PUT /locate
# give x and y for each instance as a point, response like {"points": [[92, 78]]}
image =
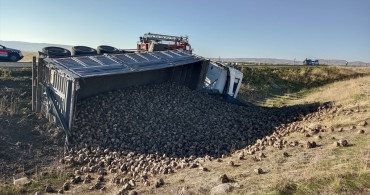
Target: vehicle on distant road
{"points": [[9, 54], [308, 62]]}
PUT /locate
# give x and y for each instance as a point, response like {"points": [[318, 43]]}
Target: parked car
{"points": [[9, 54]]}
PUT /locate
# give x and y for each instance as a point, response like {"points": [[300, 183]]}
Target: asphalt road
{"points": [[15, 64]]}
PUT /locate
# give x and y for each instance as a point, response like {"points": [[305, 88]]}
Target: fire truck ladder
{"points": [[158, 37]]}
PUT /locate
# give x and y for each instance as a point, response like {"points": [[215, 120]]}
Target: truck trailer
{"points": [[60, 77]]}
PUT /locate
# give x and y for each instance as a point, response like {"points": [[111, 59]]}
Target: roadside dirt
{"points": [[28, 143]]}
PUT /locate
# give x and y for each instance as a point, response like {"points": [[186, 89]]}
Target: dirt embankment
{"points": [[28, 143], [261, 84]]}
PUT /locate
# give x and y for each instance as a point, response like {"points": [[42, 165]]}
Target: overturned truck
{"points": [[60, 77]]}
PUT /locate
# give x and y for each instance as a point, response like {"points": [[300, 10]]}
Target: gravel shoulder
{"points": [[15, 64]]}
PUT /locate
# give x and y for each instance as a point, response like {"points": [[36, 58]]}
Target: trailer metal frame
{"points": [[57, 83]]}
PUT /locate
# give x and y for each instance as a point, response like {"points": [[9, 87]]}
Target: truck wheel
{"points": [[107, 49], [56, 52], [83, 50], [13, 57]]}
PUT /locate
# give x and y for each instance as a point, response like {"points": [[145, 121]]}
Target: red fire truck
{"points": [[158, 42]]}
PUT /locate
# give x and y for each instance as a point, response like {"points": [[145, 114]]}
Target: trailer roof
{"points": [[109, 64]]}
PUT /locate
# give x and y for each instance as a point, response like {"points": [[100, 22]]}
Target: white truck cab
{"points": [[223, 79]]}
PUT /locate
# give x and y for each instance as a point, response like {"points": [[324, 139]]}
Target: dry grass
{"points": [[330, 169], [365, 69], [28, 55], [272, 86], [353, 91], [353, 96], [308, 171], [54, 179]]}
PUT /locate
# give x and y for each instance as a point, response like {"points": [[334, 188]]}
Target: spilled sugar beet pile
{"points": [[173, 120], [143, 131]]}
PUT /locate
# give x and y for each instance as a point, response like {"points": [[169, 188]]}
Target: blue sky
{"points": [[286, 29]]}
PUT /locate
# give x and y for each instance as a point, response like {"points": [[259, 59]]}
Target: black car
{"points": [[9, 54]]}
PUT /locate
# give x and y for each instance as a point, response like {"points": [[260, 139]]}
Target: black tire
{"points": [[13, 57], [83, 50], [56, 52], [107, 49]]}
